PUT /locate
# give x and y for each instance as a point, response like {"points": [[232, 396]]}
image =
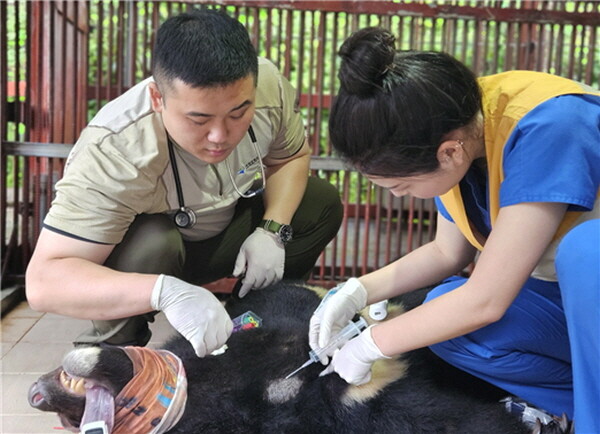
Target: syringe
{"points": [[351, 330]]}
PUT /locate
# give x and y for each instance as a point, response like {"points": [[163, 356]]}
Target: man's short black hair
{"points": [[203, 48]]}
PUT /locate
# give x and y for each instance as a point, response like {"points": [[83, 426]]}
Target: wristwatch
{"points": [[284, 232]]}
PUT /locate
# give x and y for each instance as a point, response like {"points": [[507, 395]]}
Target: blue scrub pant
{"points": [[546, 348]]}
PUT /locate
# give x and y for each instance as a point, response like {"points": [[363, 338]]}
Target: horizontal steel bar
{"points": [[61, 150], [434, 10], [36, 149]]}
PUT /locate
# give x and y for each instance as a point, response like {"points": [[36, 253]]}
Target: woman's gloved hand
{"points": [[261, 257], [194, 312], [337, 308], [354, 360]]}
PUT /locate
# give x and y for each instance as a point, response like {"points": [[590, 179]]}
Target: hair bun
{"points": [[366, 56]]}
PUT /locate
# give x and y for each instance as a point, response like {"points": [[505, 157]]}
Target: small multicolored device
{"points": [[245, 321]]}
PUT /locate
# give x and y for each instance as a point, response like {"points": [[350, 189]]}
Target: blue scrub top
{"points": [[552, 155]]}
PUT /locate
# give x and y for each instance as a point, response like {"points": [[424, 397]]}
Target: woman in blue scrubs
{"points": [[513, 161]]}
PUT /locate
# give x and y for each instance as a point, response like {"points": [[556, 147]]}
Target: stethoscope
{"points": [[185, 217]]}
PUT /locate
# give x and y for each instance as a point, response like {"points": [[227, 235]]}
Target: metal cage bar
{"points": [[61, 61]]}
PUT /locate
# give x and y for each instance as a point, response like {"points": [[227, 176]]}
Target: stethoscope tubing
{"points": [[180, 199]]}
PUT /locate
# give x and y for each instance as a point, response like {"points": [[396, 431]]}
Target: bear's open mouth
{"points": [[75, 385]]}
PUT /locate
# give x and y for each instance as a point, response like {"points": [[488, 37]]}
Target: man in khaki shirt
{"points": [[196, 173]]}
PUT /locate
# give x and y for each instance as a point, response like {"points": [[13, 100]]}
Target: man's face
{"points": [[207, 122]]}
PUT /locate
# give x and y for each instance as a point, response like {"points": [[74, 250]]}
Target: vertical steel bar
{"points": [[559, 50], [120, 49], [409, 225], [59, 46], [377, 227], [21, 204], [539, 62], [332, 71], [289, 31], [4, 13], [346, 205], [399, 223], [357, 216], [367, 229], [132, 37], [419, 220], [278, 36], [581, 48], [388, 227], [269, 35], [256, 29], [110, 52], [589, 68], [145, 43], [300, 61], [99, 54], [572, 53], [310, 84], [155, 24], [319, 84]]}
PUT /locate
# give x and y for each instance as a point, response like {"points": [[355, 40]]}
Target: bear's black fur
{"points": [[244, 391]]}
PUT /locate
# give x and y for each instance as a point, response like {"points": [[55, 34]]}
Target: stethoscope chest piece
{"points": [[185, 218]]}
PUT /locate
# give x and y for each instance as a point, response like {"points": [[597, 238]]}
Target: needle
{"points": [[299, 369]]}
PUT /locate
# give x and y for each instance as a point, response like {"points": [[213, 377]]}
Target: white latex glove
{"points": [[194, 312], [337, 308], [354, 360], [261, 257]]}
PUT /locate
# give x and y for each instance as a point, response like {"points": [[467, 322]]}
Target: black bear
{"points": [[245, 390]]}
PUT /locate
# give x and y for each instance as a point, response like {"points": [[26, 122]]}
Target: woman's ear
{"points": [[451, 152], [156, 97]]}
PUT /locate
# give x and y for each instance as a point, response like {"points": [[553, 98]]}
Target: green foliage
{"points": [[13, 163], [121, 36]]}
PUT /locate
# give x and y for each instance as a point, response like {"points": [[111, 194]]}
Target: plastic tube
{"points": [[99, 407]]}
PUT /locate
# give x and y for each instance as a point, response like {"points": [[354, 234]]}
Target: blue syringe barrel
{"points": [[351, 330]]}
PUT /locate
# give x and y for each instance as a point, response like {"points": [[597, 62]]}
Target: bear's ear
{"points": [[107, 366]]}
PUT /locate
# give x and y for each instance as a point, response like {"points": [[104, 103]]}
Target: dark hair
{"points": [[393, 108], [203, 48]]}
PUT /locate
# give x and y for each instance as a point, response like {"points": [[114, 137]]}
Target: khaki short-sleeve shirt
{"points": [[120, 166]]}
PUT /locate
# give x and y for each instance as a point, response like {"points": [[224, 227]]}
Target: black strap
{"points": [[176, 170], [252, 135], [176, 174]]}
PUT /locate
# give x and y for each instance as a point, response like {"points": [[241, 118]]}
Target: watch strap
{"points": [[270, 225], [283, 231]]}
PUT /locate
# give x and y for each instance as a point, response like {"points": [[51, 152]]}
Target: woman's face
{"points": [[421, 186], [454, 163]]}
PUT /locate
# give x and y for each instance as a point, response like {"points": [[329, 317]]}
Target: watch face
{"points": [[285, 232]]}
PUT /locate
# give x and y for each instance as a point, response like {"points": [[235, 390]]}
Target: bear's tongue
{"points": [[99, 406]]}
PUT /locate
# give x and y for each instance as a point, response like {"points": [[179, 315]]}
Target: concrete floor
{"points": [[32, 344]]}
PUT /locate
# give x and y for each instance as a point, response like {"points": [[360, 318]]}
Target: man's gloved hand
{"points": [[262, 257], [354, 360], [194, 312], [337, 308]]}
